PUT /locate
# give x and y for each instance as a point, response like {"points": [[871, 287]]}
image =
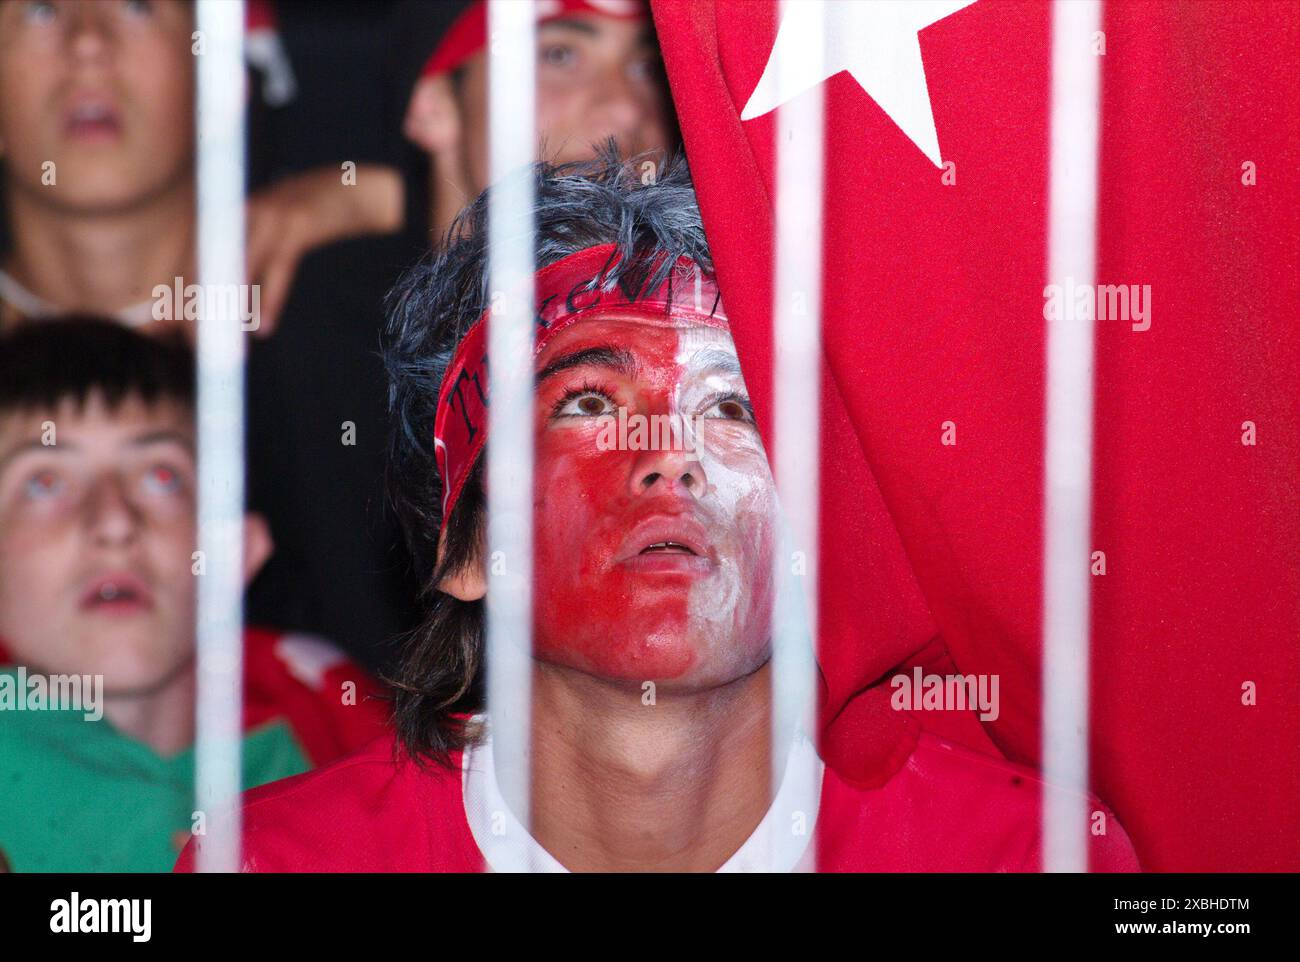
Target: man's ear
{"points": [[469, 583], [258, 545], [432, 116]]}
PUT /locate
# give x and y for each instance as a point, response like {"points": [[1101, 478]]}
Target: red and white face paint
{"points": [[651, 564], [652, 553]]}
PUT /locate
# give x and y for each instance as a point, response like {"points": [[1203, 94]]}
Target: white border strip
{"points": [[796, 394], [219, 128], [1067, 514], [512, 144]]}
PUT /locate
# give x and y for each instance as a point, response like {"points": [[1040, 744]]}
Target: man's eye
{"points": [[557, 55], [40, 11], [43, 486], [584, 404], [160, 479], [140, 8], [732, 408], [645, 69]]}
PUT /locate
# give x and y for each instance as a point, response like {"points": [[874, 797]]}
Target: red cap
{"points": [[260, 15], [468, 34]]}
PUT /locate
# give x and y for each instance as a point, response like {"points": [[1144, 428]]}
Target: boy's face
{"points": [[96, 536], [652, 564], [597, 77], [103, 90]]}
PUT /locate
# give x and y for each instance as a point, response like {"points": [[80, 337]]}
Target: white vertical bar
{"points": [[219, 125], [1067, 513], [796, 395], [512, 144]]}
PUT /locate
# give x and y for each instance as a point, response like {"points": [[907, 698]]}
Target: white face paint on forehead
{"points": [[707, 360]]}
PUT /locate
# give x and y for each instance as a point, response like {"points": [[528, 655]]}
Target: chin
{"points": [[634, 660], [129, 663], [107, 185], [138, 677], [93, 198], [672, 660]]}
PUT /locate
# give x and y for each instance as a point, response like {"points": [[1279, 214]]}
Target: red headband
{"points": [[570, 290], [468, 34]]}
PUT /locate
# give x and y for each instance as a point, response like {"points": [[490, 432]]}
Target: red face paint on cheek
{"points": [[590, 610]]}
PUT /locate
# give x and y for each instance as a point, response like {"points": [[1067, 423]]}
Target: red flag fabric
{"points": [[934, 299]]}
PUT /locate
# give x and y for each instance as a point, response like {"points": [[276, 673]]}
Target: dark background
{"points": [[340, 568]]}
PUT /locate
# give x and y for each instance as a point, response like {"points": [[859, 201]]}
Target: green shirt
{"points": [[79, 796]]}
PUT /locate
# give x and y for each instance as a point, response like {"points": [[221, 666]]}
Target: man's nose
{"points": [[618, 108], [89, 31], [110, 517], [668, 471]]}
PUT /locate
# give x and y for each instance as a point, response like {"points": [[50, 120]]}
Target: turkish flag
{"points": [[934, 295]]}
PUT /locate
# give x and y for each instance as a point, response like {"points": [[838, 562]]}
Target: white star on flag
{"points": [[875, 41]]}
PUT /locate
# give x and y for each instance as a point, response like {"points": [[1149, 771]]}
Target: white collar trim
{"points": [[34, 308], [780, 842]]}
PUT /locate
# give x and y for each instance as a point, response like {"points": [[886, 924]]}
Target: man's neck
{"points": [[162, 718], [619, 785], [103, 262]]}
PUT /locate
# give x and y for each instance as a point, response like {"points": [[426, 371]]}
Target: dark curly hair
{"points": [[647, 208]]}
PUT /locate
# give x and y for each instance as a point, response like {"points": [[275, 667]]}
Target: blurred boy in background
{"points": [[97, 162], [98, 561], [599, 77]]}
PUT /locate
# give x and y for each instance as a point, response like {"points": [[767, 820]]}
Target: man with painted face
{"points": [[653, 564]]}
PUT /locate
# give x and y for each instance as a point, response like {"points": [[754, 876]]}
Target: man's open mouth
{"points": [[117, 593], [671, 543], [667, 547], [92, 119]]}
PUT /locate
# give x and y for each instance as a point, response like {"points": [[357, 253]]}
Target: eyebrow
{"points": [[570, 23], [28, 446], [164, 437], [715, 359], [144, 440], [615, 359], [646, 38]]}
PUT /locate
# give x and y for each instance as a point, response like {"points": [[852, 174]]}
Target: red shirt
{"points": [[331, 703], [946, 809]]}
